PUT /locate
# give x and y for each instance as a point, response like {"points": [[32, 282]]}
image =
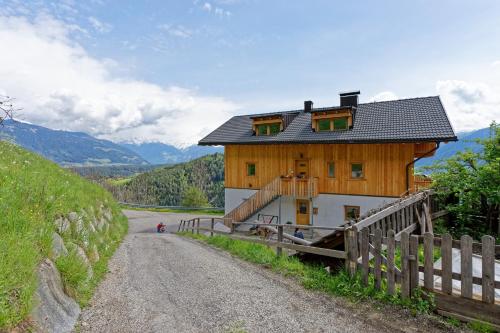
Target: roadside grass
{"points": [[34, 192], [315, 277], [215, 212]]}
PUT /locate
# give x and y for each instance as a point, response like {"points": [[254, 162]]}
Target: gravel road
{"points": [[166, 283]]}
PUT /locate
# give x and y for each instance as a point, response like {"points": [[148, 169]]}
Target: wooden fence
{"points": [[377, 254], [194, 225]]}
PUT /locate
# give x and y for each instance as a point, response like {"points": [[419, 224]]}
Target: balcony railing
{"points": [[299, 187]]}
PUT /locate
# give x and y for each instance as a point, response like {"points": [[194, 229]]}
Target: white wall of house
{"points": [[330, 206]]}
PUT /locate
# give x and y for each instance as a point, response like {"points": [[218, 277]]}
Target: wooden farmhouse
{"points": [[326, 165]]}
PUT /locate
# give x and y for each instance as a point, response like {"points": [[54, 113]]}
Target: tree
{"points": [[470, 184], [194, 197], [6, 108]]}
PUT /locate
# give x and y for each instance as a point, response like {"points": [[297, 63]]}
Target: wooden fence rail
{"points": [[375, 254]]}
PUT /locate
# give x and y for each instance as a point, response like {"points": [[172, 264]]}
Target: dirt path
{"points": [[165, 283]]}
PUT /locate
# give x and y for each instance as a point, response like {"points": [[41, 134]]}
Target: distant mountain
{"points": [[161, 153], [68, 148], [449, 149]]}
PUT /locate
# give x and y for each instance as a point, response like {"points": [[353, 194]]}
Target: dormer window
{"points": [[332, 120], [267, 125]]}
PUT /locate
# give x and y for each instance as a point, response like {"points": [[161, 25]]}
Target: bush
{"points": [[194, 197]]}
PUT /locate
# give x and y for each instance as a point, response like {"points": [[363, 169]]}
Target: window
{"points": [[262, 129], [340, 124], [274, 128], [351, 212], [324, 125], [333, 124], [331, 169], [251, 169], [357, 171], [268, 129]]}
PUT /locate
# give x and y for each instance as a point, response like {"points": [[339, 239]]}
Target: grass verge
{"points": [[315, 277], [35, 192]]}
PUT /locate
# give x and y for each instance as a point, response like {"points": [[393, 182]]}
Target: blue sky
{"points": [[130, 68]]}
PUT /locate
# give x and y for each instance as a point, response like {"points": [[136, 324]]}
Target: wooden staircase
{"points": [[291, 186]]}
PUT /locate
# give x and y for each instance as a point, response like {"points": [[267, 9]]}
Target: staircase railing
{"points": [[293, 186], [257, 201]]}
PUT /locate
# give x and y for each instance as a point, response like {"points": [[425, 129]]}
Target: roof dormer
{"points": [[334, 119], [267, 124]]}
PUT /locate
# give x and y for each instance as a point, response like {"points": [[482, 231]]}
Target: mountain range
{"points": [[161, 153], [465, 141], [68, 148], [80, 149]]}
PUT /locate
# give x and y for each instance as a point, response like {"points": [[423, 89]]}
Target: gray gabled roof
{"points": [[405, 120]]}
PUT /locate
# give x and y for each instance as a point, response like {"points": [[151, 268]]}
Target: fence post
{"points": [[446, 264], [351, 246], [179, 227], [405, 268], [198, 226], [413, 263], [488, 253], [280, 239], [192, 227], [232, 226], [390, 262], [428, 261], [466, 266], [212, 227], [365, 254], [378, 258]]}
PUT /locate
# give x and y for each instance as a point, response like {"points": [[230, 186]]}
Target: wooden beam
{"points": [[389, 210], [411, 228]]}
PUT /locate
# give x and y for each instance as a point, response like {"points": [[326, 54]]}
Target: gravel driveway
{"points": [[166, 283]]}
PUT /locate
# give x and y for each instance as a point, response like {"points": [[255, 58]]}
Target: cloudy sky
{"points": [[172, 71]]}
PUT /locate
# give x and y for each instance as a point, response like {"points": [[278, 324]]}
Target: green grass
{"points": [[33, 193], [119, 181], [216, 212], [315, 277]]}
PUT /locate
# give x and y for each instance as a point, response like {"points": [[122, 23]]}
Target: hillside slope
{"points": [[165, 186], [160, 153], [49, 213], [68, 148]]}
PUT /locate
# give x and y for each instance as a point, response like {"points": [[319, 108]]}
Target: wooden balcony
{"points": [[299, 187]]}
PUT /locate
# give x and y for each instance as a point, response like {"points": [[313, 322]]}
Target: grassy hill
{"points": [[34, 193], [165, 186]]}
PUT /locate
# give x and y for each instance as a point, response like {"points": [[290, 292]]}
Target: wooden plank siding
{"points": [[384, 166]]}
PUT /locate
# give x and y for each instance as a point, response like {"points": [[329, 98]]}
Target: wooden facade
{"points": [[384, 166]]}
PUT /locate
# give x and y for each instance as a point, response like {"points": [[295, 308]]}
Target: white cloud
{"points": [[496, 63], [177, 30], [470, 105], [100, 26], [59, 85], [383, 96], [207, 6]]}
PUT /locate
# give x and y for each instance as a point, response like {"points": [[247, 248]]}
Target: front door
{"points": [[302, 168], [302, 211]]}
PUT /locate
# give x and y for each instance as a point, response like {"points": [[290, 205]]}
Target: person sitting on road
{"points": [[298, 233], [160, 227]]}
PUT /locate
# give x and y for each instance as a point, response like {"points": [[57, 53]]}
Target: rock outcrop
{"points": [[56, 311]]}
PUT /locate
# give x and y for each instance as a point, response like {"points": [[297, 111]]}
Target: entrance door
{"points": [[302, 168], [302, 211]]}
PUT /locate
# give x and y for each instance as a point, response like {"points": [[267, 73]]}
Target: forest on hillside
{"points": [[169, 185]]}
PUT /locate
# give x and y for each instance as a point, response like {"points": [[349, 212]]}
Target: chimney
{"points": [[308, 105], [349, 98]]}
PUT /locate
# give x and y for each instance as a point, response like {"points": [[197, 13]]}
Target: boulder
{"points": [[55, 311], [58, 247], [62, 225], [73, 217], [81, 253]]}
